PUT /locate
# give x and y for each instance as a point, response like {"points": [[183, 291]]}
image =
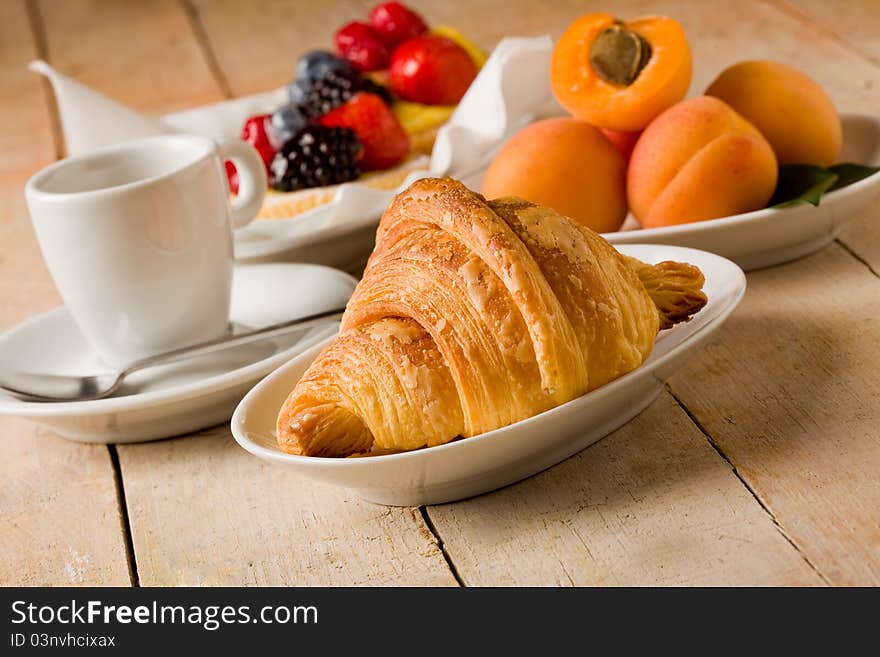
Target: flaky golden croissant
{"points": [[475, 314]]}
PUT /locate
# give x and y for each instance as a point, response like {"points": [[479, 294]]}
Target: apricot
{"points": [[699, 160], [624, 142], [793, 112], [620, 75], [564, 164]]}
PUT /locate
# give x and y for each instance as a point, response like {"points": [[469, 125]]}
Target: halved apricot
{"points": [[620, 75], [699, 160]]}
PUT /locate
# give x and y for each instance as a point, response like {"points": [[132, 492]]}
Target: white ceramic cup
{"points": [[138, 239]]}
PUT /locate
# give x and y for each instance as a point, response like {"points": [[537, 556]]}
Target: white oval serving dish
{"points": [[471, 466], [773, 236]]}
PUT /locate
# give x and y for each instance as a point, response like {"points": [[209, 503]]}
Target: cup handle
{"points": [[251, 179]]}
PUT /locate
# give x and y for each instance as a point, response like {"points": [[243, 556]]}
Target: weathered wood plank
{"points": [[651, 504], [26, 141], [59, 518], [142, 53], [256, 44], [788, 390], [204, 512], [852, 22], [26, 144]]}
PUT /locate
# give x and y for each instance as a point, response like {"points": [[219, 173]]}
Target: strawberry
{"points": [[432, 70], [396, 23], [384, 140], [361, 46], [255, 132]]}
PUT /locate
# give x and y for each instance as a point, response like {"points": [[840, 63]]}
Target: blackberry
{"points": [[372, 87], [317, 97], [316, 156]]}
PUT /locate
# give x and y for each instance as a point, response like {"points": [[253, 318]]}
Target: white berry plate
{"points": [[471, 466], [773, 236], [340, 234]]}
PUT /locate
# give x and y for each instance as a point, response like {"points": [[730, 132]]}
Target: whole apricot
{"points": [[699, 160], [564, 164], [620, 75], [790, 109]]}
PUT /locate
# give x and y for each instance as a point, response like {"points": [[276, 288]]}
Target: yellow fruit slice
{"points": [[416, 118], [469, 46]]}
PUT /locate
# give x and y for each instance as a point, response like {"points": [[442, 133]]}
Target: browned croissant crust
{"points": [[475, 314]]}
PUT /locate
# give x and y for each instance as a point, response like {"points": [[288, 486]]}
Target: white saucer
{"points": [[185, 396], [471, 466]]}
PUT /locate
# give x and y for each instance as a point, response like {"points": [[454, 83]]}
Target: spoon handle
{"points": [[228, 341]]}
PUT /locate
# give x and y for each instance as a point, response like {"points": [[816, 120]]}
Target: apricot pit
{"points": [[618, 55]]}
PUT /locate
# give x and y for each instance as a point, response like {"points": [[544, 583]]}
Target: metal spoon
{"points": [[58, 387]]}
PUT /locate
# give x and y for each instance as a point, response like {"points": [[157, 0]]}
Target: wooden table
{"points": [[760, 464]]}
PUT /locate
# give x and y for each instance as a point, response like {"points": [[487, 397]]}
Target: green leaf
{"points": [[848, 173], [807, 183], [801, 183]]}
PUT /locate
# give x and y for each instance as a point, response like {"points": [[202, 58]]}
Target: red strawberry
{"points": [[396, 23], [254, 132], [432, 70], [360, 45], [232, 177], [353, 33], [384, 140]]}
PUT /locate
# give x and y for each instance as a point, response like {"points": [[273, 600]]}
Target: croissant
{"points": [[475, 314]]}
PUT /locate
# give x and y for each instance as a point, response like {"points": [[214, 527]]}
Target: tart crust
{"points": [[287, 205]]}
